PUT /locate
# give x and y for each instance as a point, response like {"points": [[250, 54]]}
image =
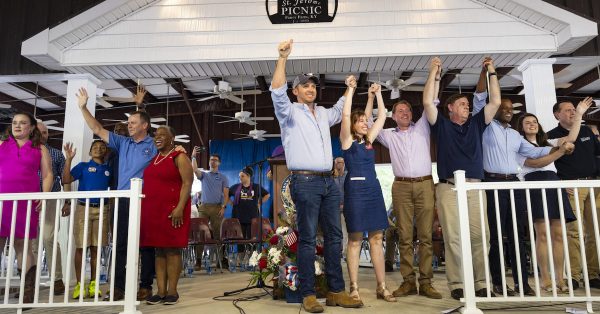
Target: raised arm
{"points": [[436, 84], [70, 152], [92, 123], [279, 79], [381, 114], [431, 110], [480, 95], [195, 169], [138, 98], [370, 99], [582, 107], [492, 107], [346, 127]]}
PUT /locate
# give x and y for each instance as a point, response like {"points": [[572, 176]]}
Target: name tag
{"points": [[358, 179], [92, 169]]}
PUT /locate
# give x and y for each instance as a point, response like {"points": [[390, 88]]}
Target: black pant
{"points": [[506, 226], [247, 233], [146, 254]]}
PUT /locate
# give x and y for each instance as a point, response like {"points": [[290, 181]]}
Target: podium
{"points": [[279, 172]]}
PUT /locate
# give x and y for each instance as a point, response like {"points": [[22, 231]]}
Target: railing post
{"points": [[133, 239], [470, 306]]}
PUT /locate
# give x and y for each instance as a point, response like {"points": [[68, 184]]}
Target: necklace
{"points": [[156, 161]]}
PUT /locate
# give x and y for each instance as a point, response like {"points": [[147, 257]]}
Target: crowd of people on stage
{"points": [[342, 196]]}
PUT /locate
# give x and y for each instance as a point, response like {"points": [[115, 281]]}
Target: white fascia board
{"points": [[41, 50], [579, 28], [86, 17]]}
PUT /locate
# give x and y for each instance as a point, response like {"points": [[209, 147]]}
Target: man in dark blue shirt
{"points": [[581, 165], [459, 148]]}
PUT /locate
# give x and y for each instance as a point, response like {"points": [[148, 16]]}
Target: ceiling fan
{"points": [[388, 113], [244, 116], [223, 91], [596, 107], [259, 135], [395, 85], [256, 134], [50, 125]]}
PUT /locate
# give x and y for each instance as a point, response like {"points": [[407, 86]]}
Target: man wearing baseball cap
{"points": [[307, 143]]}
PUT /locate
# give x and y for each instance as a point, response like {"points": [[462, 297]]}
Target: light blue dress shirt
{"points": [[504, 149], [306, 138]]}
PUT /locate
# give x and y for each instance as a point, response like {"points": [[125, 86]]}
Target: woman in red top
{"points": [[166, 213]]}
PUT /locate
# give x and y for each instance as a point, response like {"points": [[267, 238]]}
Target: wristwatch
{"points": [[492, 73]]}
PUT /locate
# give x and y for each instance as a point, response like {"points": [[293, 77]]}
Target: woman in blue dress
{"points": [[364, 208]]}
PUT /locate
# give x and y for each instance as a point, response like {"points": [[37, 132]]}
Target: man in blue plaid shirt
{"points": [[52, 207]]}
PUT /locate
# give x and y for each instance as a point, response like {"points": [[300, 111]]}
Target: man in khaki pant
{"points": [[460, 148], [580, 165], [412, 196], [215, 188]]}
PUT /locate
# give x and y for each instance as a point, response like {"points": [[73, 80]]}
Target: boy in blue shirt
{"points": [[94, 175]]}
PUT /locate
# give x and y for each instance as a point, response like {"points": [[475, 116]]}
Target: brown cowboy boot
{"points": [[342, 299], [311, 305]]}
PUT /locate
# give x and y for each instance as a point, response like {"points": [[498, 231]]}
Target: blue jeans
{"points": [[317, 201]]}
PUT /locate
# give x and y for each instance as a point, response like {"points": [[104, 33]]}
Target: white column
{"points": [[540, 92], [78, 133], [76, 130]]}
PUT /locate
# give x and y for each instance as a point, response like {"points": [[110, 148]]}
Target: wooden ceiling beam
{"points": [[19, 104], [558, 67], [42, 93], [362, 80], [262, 83], [447, 78], [177, 84], [583, 80]]}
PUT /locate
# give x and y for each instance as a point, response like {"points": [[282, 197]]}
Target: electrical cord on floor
{"points": [[236, 300]]}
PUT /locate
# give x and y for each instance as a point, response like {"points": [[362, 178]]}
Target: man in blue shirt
{"points": [[135, 152], [459, 148], [213, 200], [93, 175], [307, 143], [505, 152]]}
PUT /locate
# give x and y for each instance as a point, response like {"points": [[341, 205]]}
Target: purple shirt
{"points": [[409, 149]]}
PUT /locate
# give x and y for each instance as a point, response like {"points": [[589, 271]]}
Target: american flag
{"points": [[291, 238]]}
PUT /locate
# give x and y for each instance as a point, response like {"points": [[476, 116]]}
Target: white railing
{"points": [[129, 302], [470, 299]]}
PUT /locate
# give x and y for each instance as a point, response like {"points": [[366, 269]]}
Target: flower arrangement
{"points": [[278, 259]]}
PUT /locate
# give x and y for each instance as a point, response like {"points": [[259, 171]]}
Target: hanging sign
{"points": [[301, 11]]}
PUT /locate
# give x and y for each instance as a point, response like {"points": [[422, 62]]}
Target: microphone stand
{"points": [[260, 284]]}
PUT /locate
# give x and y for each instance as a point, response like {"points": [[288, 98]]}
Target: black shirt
{"points": [[582, 162], [247, 208]]}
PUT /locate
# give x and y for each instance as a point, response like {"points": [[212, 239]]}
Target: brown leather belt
{"points": [[417, 179], [511, 177], [312, 173]]}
